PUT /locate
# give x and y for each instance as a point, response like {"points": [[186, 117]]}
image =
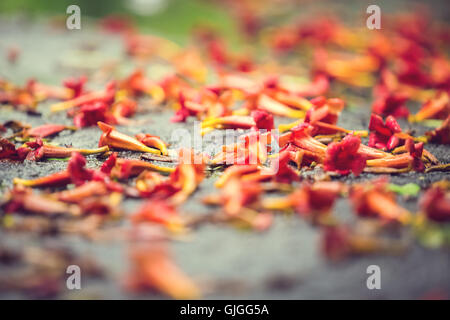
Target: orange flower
{"points": [[154, 268], [115, 139], [152, 141], [374, 200]]}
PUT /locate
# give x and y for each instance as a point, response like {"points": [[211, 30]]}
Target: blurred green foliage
{"points": [[175, 21]]}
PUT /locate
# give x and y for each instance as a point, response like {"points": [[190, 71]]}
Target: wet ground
{"points": [[283, 263]]}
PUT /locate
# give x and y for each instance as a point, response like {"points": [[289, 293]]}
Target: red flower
{"points": [[9, 151], [440, 135], [283, 172], [436, 204], [411, 159], [122, 109], [159, 211], [301, 138], [237, 194], [77, 171], [382, 135], [415, 151], [154, 268], [116, 24], [324, 111], [106, 96], [335, 243], [436, 108], [109, 164], [389, 103], [316, 199], [38, 150], [41, 150], [343, 157], [263, 119], [373, 199], [46, 130], [23, 199], [90, 114], [182, 113], [76, 85]]}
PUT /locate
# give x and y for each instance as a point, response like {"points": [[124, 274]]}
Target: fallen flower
{"points": [[228, 122], [57, 179], [343, 157], [76, 85], [266, 103], [183, 111], [122, 109], [137, 84], [435, 203], [235, 195], [339, 242], [415, 150], [77, 170], [440, 135], [153, 185], [154, 268], [263, 120], [187, 175], [8, 151], [391, 104], [23, 199], [300, 137], [125, 168], [323, 112], [258, 120], [42, 91], [375, 200], [153, 141], [251, 148], [309, 200], [114, 139], [159, 211], [89, 114], [47, 130], [436, 108], [427, 157], [412, 159], [39, 151], [280, 170], [20, 98], [105, 96], [236, 170], [382, 135], [89, 189], [103, 205]]}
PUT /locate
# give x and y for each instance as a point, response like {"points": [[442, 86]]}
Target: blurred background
{"points": [[175, 19]]}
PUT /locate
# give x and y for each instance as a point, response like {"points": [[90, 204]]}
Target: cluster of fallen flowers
{"points": [[257, 181]]}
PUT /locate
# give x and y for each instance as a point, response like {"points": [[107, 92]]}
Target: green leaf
{"points": [[58, 159], [434, 236], [409, 189], [433, 123]]}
